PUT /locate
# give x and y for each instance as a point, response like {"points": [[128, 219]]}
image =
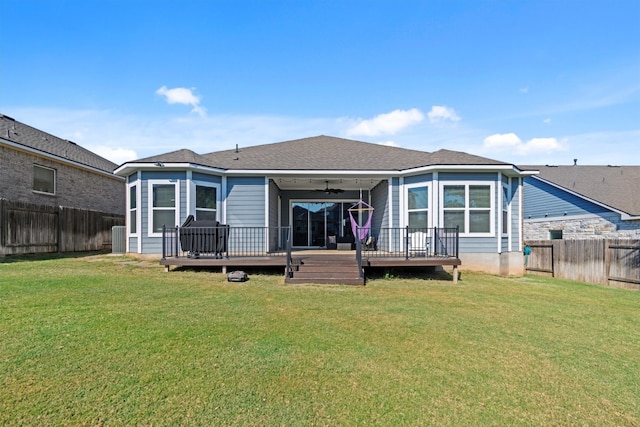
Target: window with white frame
{"points": [[163, 205], [44, 179], [505, 208], [206, 203], [133, 209], [468, 206], [418, 206]]}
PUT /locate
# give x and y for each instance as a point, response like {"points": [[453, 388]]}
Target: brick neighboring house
{"points": [[45, 174], [582, 202]]}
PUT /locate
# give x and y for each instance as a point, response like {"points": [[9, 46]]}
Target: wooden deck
{"points": [[313, 256]]}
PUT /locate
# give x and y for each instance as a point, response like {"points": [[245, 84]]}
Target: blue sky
{"points": [[525, 82]]}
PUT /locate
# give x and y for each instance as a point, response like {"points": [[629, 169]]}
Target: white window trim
{"points": [[150, 208], [467, 208], [191, 196], [55, 181], [429, 208], [137, 208]]}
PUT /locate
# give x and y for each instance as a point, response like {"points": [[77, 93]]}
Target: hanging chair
{"points": [[360, 232]]}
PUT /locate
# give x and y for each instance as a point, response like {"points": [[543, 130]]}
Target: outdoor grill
{"points": [[204, 238]]}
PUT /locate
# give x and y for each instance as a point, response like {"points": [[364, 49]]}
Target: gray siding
{"points": [[380, 202], [544, 201], [214, 179], [466, 176], [274, 191], [276, 238], [170, 175], [418, 179], [516, 219], [395, 202], [245, 202]]}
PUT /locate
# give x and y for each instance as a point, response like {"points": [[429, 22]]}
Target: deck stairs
{"points": [[326, 269]]}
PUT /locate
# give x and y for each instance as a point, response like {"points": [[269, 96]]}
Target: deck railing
{"points": [[225, 242], [408, 242]]}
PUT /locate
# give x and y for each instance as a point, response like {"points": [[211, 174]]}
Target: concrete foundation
{"points": [[504, 264]]}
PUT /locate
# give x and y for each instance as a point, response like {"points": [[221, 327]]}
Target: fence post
{"points": [[607, 262], [59, 231]]}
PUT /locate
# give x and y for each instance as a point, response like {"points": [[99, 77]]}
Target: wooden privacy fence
{"points": [[30, 228], [602, 261]]}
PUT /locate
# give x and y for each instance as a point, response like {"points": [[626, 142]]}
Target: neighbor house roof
{"points": [[38, 141], [322, 153], [613, 186]]}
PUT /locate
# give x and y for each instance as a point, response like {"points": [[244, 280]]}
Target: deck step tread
{"points": [[327, 269]]}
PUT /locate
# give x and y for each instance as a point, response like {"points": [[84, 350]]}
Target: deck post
{"points": [[455, 274], [224, 269], [406, 243]]}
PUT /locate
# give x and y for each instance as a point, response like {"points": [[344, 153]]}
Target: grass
{"points": [[103, 340]]}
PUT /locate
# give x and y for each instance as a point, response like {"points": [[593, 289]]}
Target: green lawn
{"points": [[103, 340]]}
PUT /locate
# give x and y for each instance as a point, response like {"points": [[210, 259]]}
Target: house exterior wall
{"points": [[395, 203], [380, 201], [75, 187], [245, 202], [606, 226], [516, 214], [543, 200], [274, 193], [153, 244], [472, 244], [550, 208]]}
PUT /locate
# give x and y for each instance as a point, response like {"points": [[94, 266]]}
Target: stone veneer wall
{"points": [[592, 227]]}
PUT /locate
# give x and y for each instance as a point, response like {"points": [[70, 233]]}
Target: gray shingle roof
{"points": [[614, 186], [33, 138], [323, 153]]}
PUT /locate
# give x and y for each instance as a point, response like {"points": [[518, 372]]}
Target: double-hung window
{"points": [[133, 209], [163, 203], [468, 206], [44, 180], [206, 202], [418, 206], [203, 200]]}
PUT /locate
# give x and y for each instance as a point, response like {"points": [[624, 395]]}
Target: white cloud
{"points": [[387, 123], [181, 95], [117, 155], [540, 145], [441, 113], [499, 142]]}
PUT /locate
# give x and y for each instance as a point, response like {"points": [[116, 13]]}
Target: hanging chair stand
{"points": [[361, 232]]}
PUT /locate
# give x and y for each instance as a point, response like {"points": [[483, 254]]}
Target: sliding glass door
{"points": [[316, 224]]}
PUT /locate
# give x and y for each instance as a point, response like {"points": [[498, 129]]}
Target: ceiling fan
{"points": [[328, 190]]}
